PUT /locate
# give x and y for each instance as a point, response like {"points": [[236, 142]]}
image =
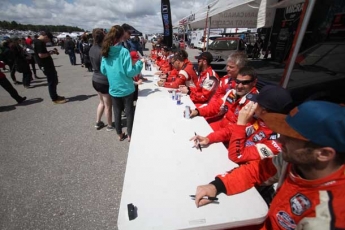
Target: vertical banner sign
{"points": [[167, 25]]}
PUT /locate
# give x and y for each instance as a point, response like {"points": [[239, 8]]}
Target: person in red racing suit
{"points": [[234, 63], [186, 75], [208, 81], [310, 170], [250, 138], [229, 106]]}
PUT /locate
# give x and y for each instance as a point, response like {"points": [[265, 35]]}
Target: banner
{"points": [[167, 24]]}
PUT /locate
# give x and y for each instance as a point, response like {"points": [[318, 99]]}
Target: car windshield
{"points": [[224, 45], [328, 56]]}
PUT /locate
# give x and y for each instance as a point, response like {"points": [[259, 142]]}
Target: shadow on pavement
{"points": [[31, 101], [40, 85], [80, 97], [7, 108]]}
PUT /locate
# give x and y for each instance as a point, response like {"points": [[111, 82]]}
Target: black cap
{"points": [[274, 98], [128, 28], [206, 56]]}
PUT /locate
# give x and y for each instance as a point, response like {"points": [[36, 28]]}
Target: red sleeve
{"points": [[179, 80], [204, 93], [212, 109], [248, 175], [221, 135], [240, 152]]}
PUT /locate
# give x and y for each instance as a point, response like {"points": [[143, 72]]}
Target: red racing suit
{"points": [[254, 142], [298, 203], [186, 76], [229, 104], [206, 86]]}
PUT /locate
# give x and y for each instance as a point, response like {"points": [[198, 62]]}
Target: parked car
{"points": [[221, 48]]}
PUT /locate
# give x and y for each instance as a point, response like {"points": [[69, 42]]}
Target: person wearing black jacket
{"points": [[69, 49]]}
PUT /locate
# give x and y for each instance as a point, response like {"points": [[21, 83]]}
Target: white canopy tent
{"points": [[236, 14], [63, 35]]}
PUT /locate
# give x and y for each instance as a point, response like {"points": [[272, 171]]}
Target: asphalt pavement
{"points": [[56, 170]]}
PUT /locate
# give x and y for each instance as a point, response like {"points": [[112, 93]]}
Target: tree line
{"points": [[52, 28]]}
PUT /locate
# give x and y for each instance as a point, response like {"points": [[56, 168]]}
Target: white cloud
{"points": [[144, 15]]}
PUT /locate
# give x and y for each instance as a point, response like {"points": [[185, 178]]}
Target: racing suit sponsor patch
{"points": [[299, 204], [264, 151], [259, 136], [249, 143], [285, 220], [249, 130]]}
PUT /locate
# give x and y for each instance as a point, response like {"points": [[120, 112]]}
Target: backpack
{"points": [[86, 48]]}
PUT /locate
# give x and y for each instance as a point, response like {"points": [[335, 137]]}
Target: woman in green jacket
{"points": [[117, 66]]}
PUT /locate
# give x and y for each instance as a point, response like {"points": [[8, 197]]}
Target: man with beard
{"points": [[207, 83], [309, 170]]}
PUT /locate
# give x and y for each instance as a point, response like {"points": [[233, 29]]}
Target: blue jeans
{"points": [[120, 103], [52, 83], [72, 57]]}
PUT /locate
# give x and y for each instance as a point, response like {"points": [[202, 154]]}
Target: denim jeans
{"points": [[72, 57], [52, 82], [120, 103]]}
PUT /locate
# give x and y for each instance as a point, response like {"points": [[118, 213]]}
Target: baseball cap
{"points": [[274, 98], [128, 28], [206, 56], [134, 55], [320, 122]]}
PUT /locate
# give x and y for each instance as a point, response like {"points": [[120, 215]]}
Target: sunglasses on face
{"points": [[246, 82]]}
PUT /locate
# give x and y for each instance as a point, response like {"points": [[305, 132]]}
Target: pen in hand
{"points": [[206, 197], [199, 146]]}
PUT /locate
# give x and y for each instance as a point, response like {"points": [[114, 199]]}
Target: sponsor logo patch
{"points": [[250, 130], [299, 204], [249, 143], [264, 152], [259, 136], [285, 220]]}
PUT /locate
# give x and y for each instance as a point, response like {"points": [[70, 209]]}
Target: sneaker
{"points": [[28, 86], [60, 100], [99, 125], [110, 128], [21, 100], [17, 83]]}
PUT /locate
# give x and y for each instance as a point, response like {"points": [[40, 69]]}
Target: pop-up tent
{"points": [[236, 14]]}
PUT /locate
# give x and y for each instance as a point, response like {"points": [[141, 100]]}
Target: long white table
{"points": [[163, 170]]}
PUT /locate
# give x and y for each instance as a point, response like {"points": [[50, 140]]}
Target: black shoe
{"points": [[17, 83], [21, 100]]}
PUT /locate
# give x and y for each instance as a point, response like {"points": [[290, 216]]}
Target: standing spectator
{"points": [[84, 51], [80, 48], [69, 49], [9, 59], [136, 46], [127, 35], [45, 60], [22, 62], [6, 84], [117, 66], [100, 82], [28, 41]]}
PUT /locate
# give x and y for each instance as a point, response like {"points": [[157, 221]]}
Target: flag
{"points": [[167, 24]]}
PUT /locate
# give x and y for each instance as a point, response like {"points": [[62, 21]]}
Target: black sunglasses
{"points": [[246, 82]]}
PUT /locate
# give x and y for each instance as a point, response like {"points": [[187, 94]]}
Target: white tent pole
{"points": [[208, 34], [300, 37]]}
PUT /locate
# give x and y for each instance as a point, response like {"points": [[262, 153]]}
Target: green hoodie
{"points": [[120, 72]]}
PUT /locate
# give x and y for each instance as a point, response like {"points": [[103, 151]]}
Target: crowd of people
{"points": [[300, 147]]}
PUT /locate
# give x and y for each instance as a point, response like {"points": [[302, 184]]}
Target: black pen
{"points": [[199, 146], [206, 197]]}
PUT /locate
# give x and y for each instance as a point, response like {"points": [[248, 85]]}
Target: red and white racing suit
{"points": [[253, 142], [232, 105], [186, 76], [206, 86], [298, 203]]}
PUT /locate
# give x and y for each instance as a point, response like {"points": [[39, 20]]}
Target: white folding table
{"points": [[163, 170]]}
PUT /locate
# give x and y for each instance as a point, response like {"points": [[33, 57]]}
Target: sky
{"points": [[144, 15]]}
